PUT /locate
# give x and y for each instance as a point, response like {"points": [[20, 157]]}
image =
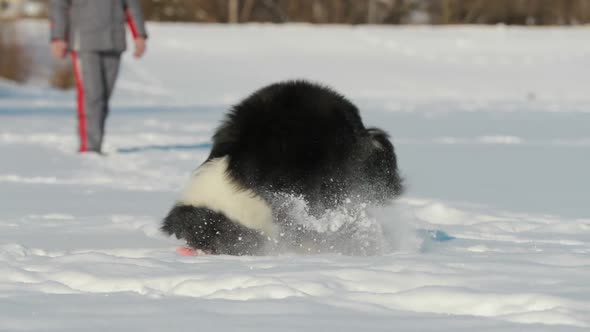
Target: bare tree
{"points": [[15, 62]]}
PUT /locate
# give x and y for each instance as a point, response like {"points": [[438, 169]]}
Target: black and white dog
{"points": [[294, 139]]}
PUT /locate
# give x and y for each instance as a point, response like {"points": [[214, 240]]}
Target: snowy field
{"points": [[491, 127]]}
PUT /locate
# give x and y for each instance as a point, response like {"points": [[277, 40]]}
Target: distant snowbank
{"points": [[192, 64]]}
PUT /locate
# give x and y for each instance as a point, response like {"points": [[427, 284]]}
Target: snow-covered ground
{"points": [[491, 127]]}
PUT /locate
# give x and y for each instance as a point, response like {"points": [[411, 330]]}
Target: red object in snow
{"points": [[186, 251]]}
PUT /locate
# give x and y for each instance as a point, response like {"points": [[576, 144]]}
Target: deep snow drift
{"points": [[491, 130]]}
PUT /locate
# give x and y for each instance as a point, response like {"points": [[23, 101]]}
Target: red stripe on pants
{"points": [[132, 25], [81, 106]]}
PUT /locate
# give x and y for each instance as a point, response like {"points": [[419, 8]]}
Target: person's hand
{"points": [[59, 48], [139, 47]]}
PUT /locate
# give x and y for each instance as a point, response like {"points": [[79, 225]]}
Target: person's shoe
{"points": [[96, 152]]}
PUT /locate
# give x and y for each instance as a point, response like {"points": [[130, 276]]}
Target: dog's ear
{"points": [[380, 166], [380, 140]]}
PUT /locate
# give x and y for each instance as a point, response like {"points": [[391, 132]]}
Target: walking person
{"points": [[94, 32]]}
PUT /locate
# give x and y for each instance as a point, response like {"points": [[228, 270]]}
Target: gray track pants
{"points": [[96, 73]]}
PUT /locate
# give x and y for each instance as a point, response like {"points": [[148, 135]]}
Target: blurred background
{"points": [[16, 62]]}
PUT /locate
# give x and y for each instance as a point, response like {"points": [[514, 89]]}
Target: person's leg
{"points": [[110, 66], [91, 99]]}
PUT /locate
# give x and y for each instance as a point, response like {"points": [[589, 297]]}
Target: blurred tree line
{"points": [[522, 12]]}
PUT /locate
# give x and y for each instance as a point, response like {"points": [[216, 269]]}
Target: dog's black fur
{"points": [[210, 231], [293, 138]]}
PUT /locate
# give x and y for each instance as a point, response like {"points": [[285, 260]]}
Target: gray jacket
{"points": [[96, 25]]}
